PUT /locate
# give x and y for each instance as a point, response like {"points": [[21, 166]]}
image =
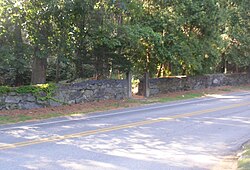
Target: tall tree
{"points": [[12, 43], [39, 30]]}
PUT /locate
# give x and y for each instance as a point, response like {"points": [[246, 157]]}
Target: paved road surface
{"points": [[191, 134]]}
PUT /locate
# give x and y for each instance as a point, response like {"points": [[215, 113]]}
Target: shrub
{"points": [[41, 91], [4, 89]]}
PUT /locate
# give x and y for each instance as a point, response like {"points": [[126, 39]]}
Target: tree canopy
{"points": [[54, 40]]}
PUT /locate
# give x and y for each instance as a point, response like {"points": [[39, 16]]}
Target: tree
{"points": [[58, 40], [235, 34], [14, 50]]}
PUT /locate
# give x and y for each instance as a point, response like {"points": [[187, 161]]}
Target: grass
{"points": [[7, 119], [180, 97], [244, 87], [244, 161], [105, 106], [225, 89], [158, 99]]}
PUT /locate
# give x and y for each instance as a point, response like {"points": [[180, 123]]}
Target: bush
{"points": [[41, 91], [4, 89]]}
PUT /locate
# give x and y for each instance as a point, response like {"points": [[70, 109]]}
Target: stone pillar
{"points": [[129, 84], [146, 85]]}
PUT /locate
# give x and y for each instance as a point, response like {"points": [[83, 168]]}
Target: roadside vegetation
{"points": [[65, 40], [244, 161], [50, 41], [14, 116]]}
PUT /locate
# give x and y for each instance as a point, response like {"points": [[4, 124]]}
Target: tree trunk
{"points": [[57, 69], [236, 68], [39, 67], [79, 65], [159, 71], [19, 54], [225, 66], [224, 63], [167, 69]]}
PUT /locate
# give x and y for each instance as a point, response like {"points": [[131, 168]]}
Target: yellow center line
{"points": [[118, 127]]}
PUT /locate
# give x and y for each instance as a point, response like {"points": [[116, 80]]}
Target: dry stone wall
{"points": [[96, 90], [93, 90], [166, 85]]}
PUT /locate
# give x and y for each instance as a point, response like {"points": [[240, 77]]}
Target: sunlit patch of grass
{"points": [[181, 97], [133, 101], [5, 119], [22, 118], [247, 87], [244, 161], [47, 116], [156, 99], [225, 89]]}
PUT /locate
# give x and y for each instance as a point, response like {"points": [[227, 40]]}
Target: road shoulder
{"points": [[15, 116]]}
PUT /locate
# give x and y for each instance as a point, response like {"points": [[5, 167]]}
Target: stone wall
{"points": [[96, 90], [93, 90], [165, 85]]}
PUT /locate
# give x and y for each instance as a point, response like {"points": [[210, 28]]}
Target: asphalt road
{"points": [[191, 134]]}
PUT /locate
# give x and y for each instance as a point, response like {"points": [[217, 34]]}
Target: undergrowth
{"points": [[41, 91]]}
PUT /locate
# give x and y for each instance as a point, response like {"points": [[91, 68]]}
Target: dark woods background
{"points": [[55, 40]]}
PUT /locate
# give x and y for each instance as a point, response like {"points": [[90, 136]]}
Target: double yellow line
{"points": [[118, 127]]}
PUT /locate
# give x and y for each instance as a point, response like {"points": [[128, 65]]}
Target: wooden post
{"points": [[129, 84], [146, 85]]}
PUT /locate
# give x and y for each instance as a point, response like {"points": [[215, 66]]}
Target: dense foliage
{"points": [[54, 40], [43, 92]]}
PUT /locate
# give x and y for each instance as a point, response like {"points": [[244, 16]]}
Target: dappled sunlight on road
{"points": [[237, 120], [141, 145], [229, 98], [153, 145], [188, 142], [36, 132], [81, 164], [27, 133], [87, 164], [233, 121], [149, 147]]}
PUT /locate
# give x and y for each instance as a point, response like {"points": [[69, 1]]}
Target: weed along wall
{"points": [[165, 85], [28, 97]]}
